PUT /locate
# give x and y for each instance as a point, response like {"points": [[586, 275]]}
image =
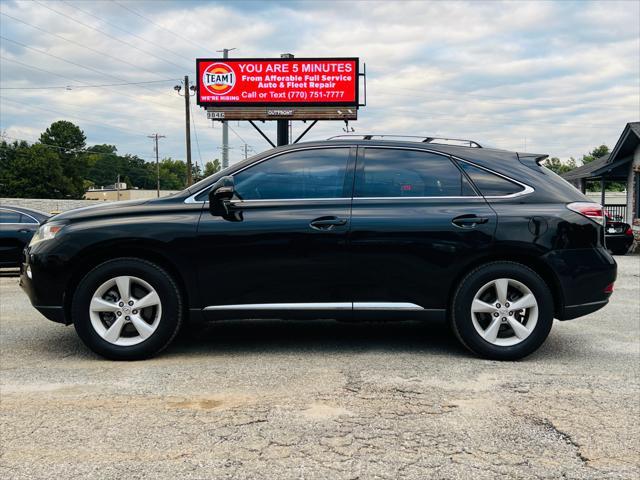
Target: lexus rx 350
{"points": [[355, 229]]}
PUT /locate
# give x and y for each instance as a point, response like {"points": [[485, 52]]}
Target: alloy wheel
{"points": [[504, 312], [125, 310]]}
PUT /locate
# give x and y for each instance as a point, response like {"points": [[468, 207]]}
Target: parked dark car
{"points": [[353, 229], [17, 226], [618, 236]]}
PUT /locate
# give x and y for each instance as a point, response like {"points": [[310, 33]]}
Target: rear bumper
{"points": [[583, 275], [570, 312], [619, 242]]}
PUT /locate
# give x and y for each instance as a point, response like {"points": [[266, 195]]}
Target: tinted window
{"points": [[409, 173], [7, 216], [318, 173], [27, 219], [490, 185]]}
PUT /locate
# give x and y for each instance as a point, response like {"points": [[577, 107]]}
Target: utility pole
{"points": [[225, 127], [187, 130], [283, 125], [156, 136], [187, 123]]}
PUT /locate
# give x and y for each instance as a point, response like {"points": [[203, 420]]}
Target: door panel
{"points": [[279, 250], [411, 242], [410, 251], [273, 255]]}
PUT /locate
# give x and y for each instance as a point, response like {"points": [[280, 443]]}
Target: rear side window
{"points": [[489, 184], [317, 173], [390, 173], [7, 216]]}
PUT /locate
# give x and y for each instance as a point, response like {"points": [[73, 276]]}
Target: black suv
{"points": [[353, 229]]}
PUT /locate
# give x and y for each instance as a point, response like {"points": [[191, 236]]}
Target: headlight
{"points": [[45, 232]]}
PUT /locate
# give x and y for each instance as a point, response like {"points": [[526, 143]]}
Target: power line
{"points": [[159, 26], [68, 87], [111, 24], [238, 135], [95, 70], [31, 67], [73, 42], [107, 35]]}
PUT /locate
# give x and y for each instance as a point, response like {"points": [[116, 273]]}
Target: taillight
{"points": [[629, 231], [592, 211], [609, 288]]}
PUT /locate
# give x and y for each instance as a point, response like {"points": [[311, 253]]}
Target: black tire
{"points": [[462, 323], [619, 251], [170, 319]]}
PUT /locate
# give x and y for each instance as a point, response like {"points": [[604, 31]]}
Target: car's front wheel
{"points": [[127, 309], [502, 311]]}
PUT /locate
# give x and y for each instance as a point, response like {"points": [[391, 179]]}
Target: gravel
{"points": [[323, 400]]}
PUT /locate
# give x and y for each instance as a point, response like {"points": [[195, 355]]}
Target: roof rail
{"points": [[413, 138]]}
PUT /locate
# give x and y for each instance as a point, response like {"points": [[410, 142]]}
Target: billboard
{"points": [[277, 82]]}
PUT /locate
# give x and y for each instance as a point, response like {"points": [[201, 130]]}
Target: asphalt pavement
{"points": [[323, 400]]}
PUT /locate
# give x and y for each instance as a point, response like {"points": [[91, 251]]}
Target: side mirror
{"points": [[219, 196]]}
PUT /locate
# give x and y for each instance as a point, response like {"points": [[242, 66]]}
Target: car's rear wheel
{"points": [[502, 311], [127, 309]]}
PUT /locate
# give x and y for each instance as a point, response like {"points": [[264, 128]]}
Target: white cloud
{"points": [[560, 76]]}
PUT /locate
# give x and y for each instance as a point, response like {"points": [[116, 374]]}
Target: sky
{"points": [[547, 77]]}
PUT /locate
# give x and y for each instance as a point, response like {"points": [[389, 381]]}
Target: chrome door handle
{"points": [[327, 223], [469, 221]]}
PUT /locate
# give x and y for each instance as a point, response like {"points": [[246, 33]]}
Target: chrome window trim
{"points": [[526, 189], [36, 222], [320, 306], [295, 200], [419, 198]]}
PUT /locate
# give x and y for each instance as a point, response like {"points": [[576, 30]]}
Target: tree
{"points": [[556, 165], [69, 140], [34, 171], [596, 153], [173, 174], [211, 167]]}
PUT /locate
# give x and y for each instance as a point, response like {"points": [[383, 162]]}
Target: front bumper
{"points": [[54, 313], [44, 278]]}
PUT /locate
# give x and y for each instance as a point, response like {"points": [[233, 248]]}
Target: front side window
{"points": [[391, 173], [489, 184], [7, 216], [316, 173]]}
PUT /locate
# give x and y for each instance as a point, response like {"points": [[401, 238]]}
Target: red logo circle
{"points": [[218, 78]]}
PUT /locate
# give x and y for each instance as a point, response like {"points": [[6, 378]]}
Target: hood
{"points": [[99, 210]]}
